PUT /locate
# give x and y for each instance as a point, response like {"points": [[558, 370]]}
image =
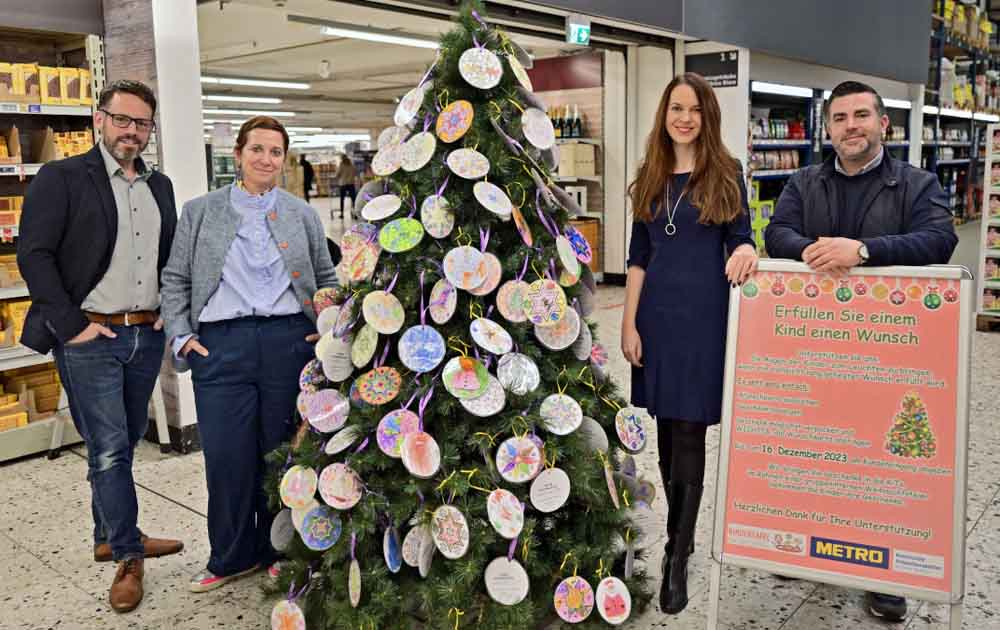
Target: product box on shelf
{"points": [[37, 389], [10, 145], [69, 85], [10, 86], [10, 275], [577, 159], [86, 88], [28, 77], [50, 80]]}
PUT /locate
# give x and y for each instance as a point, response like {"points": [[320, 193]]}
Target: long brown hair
{"points": [[714, 184]]}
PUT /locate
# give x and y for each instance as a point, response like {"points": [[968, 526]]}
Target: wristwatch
{"points": [[863, 254]]}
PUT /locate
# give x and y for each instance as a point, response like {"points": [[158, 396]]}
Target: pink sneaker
{"points": [[207, 581]]}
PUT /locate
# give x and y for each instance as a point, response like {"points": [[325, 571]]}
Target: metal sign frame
{"points": [[955, 598]]}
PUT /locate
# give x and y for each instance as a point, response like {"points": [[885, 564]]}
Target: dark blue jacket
{"points": [[904, 219]]}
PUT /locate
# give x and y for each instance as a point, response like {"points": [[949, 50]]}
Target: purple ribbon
{"points": [[292, 595], [421, 407], [342, 329], [410, 401], [392, 285], [551, 273], [512, 549], [476, 42], [548, 223], [443, 186], [524, 267], [436, 264], [361, 446], [413, 205], [428, 119], [385, 355], [423, 311], [427, 74], [479, 19], [354, 542], [484, 239]]}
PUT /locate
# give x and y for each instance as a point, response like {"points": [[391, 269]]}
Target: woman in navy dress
{"points": [[690, 242]]}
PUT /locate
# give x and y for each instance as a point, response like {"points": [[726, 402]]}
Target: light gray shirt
{"points": [[875, 162], [131, 282]]}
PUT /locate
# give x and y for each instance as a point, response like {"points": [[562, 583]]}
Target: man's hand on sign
{"points": [[832, 255]]}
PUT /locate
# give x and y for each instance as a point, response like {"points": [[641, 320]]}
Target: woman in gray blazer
{"points": [[237, 302]]}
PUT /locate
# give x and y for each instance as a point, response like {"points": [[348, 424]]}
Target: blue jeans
{"points": [[245, 391], [109, 383]]}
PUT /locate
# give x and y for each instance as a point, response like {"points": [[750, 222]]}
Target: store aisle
{"points": [[50, 580]]}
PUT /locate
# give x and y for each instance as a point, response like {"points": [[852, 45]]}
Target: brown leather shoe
{"points": [[126, 590], [152, 548]]}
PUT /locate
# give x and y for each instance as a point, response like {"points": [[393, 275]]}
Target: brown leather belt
{"points": [[135, 318]]}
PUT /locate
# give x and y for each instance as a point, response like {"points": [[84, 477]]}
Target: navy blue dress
{"points": [[683, 310]]}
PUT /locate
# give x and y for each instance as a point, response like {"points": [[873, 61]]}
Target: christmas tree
{"points": [[456, 420], [911, 435]]}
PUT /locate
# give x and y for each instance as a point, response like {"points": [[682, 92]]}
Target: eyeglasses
{"points": [[124, 122]]}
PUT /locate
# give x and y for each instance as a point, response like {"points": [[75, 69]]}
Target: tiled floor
{"points": [[48, 578]]}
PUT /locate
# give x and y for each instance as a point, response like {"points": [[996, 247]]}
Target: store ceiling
{"points": [[254, 39]]}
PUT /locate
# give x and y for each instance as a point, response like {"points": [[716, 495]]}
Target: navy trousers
{"points": [[245, 391]]}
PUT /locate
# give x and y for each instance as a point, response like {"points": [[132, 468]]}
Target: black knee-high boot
{"points": [[683, 503]]}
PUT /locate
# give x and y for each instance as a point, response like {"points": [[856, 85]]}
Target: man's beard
{"points": [[121, 152]]}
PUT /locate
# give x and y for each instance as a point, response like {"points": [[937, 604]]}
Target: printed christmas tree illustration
{"points": [[911, 435]]}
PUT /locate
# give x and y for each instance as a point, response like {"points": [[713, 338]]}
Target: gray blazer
{"points": [[205, 232]]}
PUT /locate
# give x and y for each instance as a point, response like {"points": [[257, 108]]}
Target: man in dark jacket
{"points": [[861, 207], [95, 233], [308, 176]]}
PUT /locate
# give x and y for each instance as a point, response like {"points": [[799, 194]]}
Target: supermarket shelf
{"points": [[948, 143], [36, 436], [899, 144], [774, 173], [21, 357], [45, 110], [992, 252], [594, 141], [591, 215], [781, 144], [19, 170], [597, 179], [13, 293], [958, 162], [992, 284]]}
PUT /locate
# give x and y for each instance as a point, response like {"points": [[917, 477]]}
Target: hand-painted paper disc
{"points": [[427, 551], [494, 273], [468, 163], [562, 334], [454, 120], [379, 386], [480, 68], [418, 151], [574, 599], [381, 207], [561, 414], [522, 227], [299, 514], [518, 373], [443, 300], [356, 238], [550, 490], [342, 441], [364, 345], [340, 486], [597, 438], [491, 336], [324, 298], [519, 460], [506, 581], [581, 247], [409, 105], [335, 355], [392, 135], [286, 615], [609, 478], [490, 403], [519, 73], [566, 280], [630, 426], [421, 454], [393, 428], [388, 160], [614, 602], [282, 530], [328, 319], [584, 343], [401, 235], [361, 265], [298, 486], [465, 267], [493, 198], [465, 377], [411, 545], [383, 312], [511, 299], [545, 303], [567, 256], [437, 217], [312, 377], [326, 409], [421, 348], [450, 531], [392, 550], [321, 528], [354, 583], [506, 513], [537, 128]]}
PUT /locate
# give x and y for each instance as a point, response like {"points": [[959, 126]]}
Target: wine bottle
{"points": [[577, 122], [567, 125], [558, 124]]}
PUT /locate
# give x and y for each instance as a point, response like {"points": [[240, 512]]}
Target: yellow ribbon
{"points": [[516, 104], [524, 550], [446, 101], [611, 403], [475, 310], [625, 497], [445, 482], [553, 463], [628, 537], [588, 382], [459, 346], [561, 388], [513, 427], [492, 439], [600, 570], [565, 560], [541, 276], [462, 238], [470, 474], [458, 615]]}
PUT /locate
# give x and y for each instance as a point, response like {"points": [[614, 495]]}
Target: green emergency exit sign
{"points": [[578, 30]]}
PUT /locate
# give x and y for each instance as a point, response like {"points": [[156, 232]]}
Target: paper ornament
{"points": [[494, 273], [537, 128], [583, 343], [522, 56], [597, 438], [392, 550], [427, 551], [560, 414], [513, 145], [360, 266], [519, 460], [286, 615], [364, 345], [372, 189], [562, 334], [545, 303], [381, 207], [630, 426], [383, 312], [493, 198], [566, 280], [567, 256], [566, 200], [506, 581], [340, 486], [388, 160], [409, 105], [418, 151], [465, 377], [454, 121], [437, 217], [543, 188], [354, 583], [393, 428], [647, 524], [324, 298], [342, 441], [421, 455], [299, 514], [282, 530], [511, 299], [328, 319], [522, 227], [468, 163], [490, 403], [298, 486], [646, 492], [491, 336], [411, 545], [609, 477], [312, 378], [574, 599], [421, 348], [519, 72], [506, 513], [550, 157], [392, 135], [518, 373], [326, 410], [379, 386], [465, 267], [450, 531], [613, 601], [550, 490], [443, 301], [401, 235], [335, 355], [528, 96], [480, 68], [321, 528]]}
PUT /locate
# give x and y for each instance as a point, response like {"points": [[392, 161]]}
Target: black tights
{"points": [[682, 451]]}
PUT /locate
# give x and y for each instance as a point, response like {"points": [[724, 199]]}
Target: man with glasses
{"points": [[95, 232]]}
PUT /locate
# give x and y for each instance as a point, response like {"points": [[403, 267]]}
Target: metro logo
{"points": [[853, 553]]}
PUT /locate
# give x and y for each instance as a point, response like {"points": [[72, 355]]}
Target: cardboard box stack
{"points": [[577, 159], [13, 313], [13, 413], [38, 388], [72, 143], [10, 146], [10, 275]]}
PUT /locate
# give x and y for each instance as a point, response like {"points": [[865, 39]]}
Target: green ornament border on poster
{"points": [[910, 437]]}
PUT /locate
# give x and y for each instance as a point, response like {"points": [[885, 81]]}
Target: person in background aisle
{"points": [[690, 242], [308, 176], [237, 300], [95, 232], [345, 181], [861, 207]]}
